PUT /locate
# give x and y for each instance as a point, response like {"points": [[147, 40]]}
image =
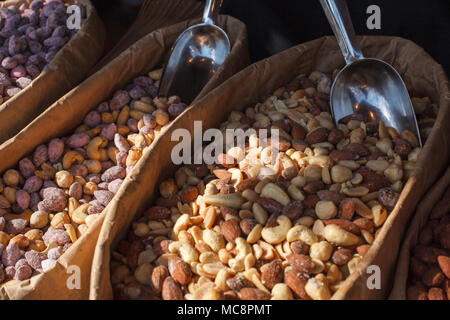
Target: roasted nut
{"points": [[325, 209], [339, 236]]}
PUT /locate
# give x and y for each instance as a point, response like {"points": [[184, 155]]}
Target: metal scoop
{"points": [[366, 86], [196, 55]]}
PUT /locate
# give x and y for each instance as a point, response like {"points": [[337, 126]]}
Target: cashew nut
{"points": [[186, 251], [93, 147], [79, 214], [222, 277], [274, 192], [269, 252], [243, 248], [181, 224], [277, 234], [303, 233], [213, 239], [70, 158], [339, 236]]}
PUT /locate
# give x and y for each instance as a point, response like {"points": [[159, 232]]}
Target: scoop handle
{"points": [[212, 9], [339, 18]]}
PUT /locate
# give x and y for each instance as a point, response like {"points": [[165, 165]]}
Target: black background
{"points": [[275, 25]]}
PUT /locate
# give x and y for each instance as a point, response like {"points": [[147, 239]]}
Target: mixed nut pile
{"points": [[30, 36], [53, 195], [429, 276], [254, 227]]}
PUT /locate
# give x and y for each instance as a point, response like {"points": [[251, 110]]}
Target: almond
{"points": [[299, 145], [247, 184], [347, 209], [436, 294], [357, 148], [444, 264], [271, 274], [179, 270], [293, 210], [168, 202], [237, 283], [270, 205], [338, 155], [388, 198], [133, 252], [310, 202], [171, 290], [341, 256], [157, 213], [247, 225], [331, 196], [313, 186], [228, 211], [298, 132], [230, 230], [344, 224], [402, 147], [433, 277], [254, 294], [317, 135], [282, 124], [230, 295], [299, 247], [189, 194], [296, 281], [335, 136], [301, 263], [159, 274], [364, 223]]}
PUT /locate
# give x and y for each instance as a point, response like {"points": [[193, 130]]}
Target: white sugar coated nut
{"points": [[48, 264]]}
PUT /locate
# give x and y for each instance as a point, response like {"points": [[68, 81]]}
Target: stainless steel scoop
{"points": [[196, 55], [366, 86]]}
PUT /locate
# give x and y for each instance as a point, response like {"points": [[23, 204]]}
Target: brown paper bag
{"points": [[153, 14], [420, 219], [66, 114], [244, 89], [68, 68]]}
